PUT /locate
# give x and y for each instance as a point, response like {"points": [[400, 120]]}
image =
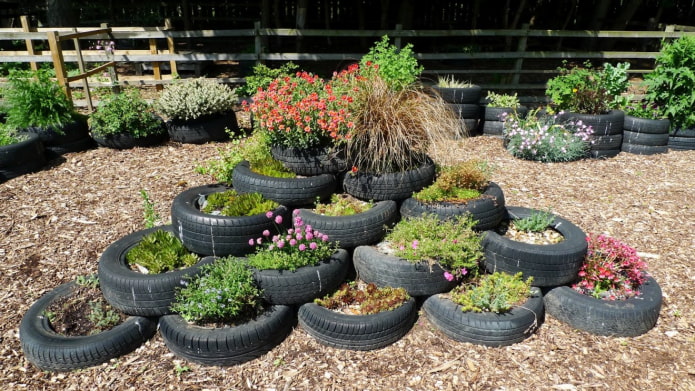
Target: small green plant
{"points": [[398, 67], [193, 98], [151, 217], [91, 281], [231, 203], [497, 293], [537, 221], [125, 113], [102, 318], [459, 183], [223, 292], [450, 82], [502, 100], [263, 75], [647, 110], [365, 299], [342, 205], [159, 252], [180, 370], [9, 135]]}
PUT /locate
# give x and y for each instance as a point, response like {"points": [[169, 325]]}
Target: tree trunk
{"points": [[61, 13]]}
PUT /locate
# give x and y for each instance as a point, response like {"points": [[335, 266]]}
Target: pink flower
{"points": [[281, 244], [415, 244], [259, 240], [313, 245], [278, 219], [324, 237], [295, 212], [448, 276], [266, 233], [269, 214], [251, 242], [293, 242], [309, 235], [302, 247]]}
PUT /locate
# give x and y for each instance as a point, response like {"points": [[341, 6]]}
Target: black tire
{"points": [[488, 210], [486, 328], [639, 149], [207, 234], [419, 279], [681, 143], [495, 113], [646, 126], [650, 139], [604, 143], [136, 293], [21, 158], [389, 186], [312, 161], [351, 231], [68, 133], [80, 145], [685, 133], [127, 141], [285, 191], [460, 95], [550, 265], [618, 318], [467, 110], [470, 126], [304, 284], [493, 128], [227, 345], [51, 351], [203, 129], [607, 124], [604, 153], [357, 332]]}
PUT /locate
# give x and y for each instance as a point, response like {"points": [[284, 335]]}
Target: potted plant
{"points": [[645, 130], [424, 255], [72, 327], [536, 243], [463, 98], [359, 316], [19, 153], [198, 110], [593, 96], [126, 120], [464, 188], [496, 309], [670, 86], [496, 105], [220, 319], [298, 264], [35, 103], [547, 138]]}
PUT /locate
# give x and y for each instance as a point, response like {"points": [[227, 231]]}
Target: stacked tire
{"points": [[465, 102], [682, 140], [643, 136], [492, 122], [607, 139]]}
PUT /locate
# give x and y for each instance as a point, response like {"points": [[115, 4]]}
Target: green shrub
{"points": [[459, 183], [159, 252], [125, 113], [497, 292], [451, 82], [502, 100], [9, 135], [398, 67], [192, 98], [262, 77], [231, 203], [537, 221], [342, 205]]}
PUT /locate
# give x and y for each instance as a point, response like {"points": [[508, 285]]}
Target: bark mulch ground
{"points": [[56, 223]]}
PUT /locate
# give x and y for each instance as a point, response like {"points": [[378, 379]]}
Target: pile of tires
{"points": [[465, 102], [643, 136], [682, 140]]}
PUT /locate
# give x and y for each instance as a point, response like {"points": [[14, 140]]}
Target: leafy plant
{"points": [[502, 100], [612, 270], [91, 281], [9, 135], [32, 98], [342, 205], [152, 218], [298, 246], [102, 318], [222, 292], [159, 252], [497, 293], [231, 203], [397, 67], [537, 221], [647, 110], [450, 243], [450, 82], [262, 77], [125, 113], [188, 99], [539, 136], [459, 183], [671, 85], [365, 299]]}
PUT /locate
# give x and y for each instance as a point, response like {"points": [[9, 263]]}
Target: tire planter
{"points": [[550, 265], [50, 351], [284, 287], [203, 129], [285, 191], [486, 328], [389, 186], [619, 318], [604, 126], [357, 332], [217, 235], [128, 141], [488, 210], [311, 161], [419, 279], [73, 137], [645, 136], [351, 231], [469, 114], [460, 95], [639, 149], [227, 345], [21, 158], [682, 139], [492, 123], [136, 293]]}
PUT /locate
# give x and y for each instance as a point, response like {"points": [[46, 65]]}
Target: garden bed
{"points": [[55, 224]]}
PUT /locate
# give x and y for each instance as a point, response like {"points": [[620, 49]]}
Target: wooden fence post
{"points": [[115, 88], [399, 27], [26, 27], [520, 48], [80, 66], [155, 64], [171, 46], [258, 44], [59, 62]]}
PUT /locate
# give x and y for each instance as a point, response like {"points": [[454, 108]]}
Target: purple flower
{"points": [[313, 245], [266, 233], [415, 244], [448, 276], [293, 242], [309, 236], [324, 237], [298, 236], [302, 247], [281, 244], [278, 219], [251, 242], [269, 214]]}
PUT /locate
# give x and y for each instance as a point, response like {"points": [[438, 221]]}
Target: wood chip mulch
{"points": [[56, 223]]}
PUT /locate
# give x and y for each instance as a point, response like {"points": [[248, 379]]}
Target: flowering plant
{"points": [[612, 270], [298, 246], [303, 110], [540, 137], [648, 110]]}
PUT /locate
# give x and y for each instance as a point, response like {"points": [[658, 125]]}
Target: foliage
{"points": [[671, 85], [367, 300], [497, 293], [298, 246], [450, 82], [9, 135], [589, 90], [103, 317], [90, 281], [397, 67], [451, 243], [502, 100], [459, 183], [540, 136], [32, 98], [342, 205], [222, 292], [647, 110], [262, 77], [612, 270], [537, 221], [125, 113], [159, 252], [152, 218], [231, 203], [187, 99]]}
